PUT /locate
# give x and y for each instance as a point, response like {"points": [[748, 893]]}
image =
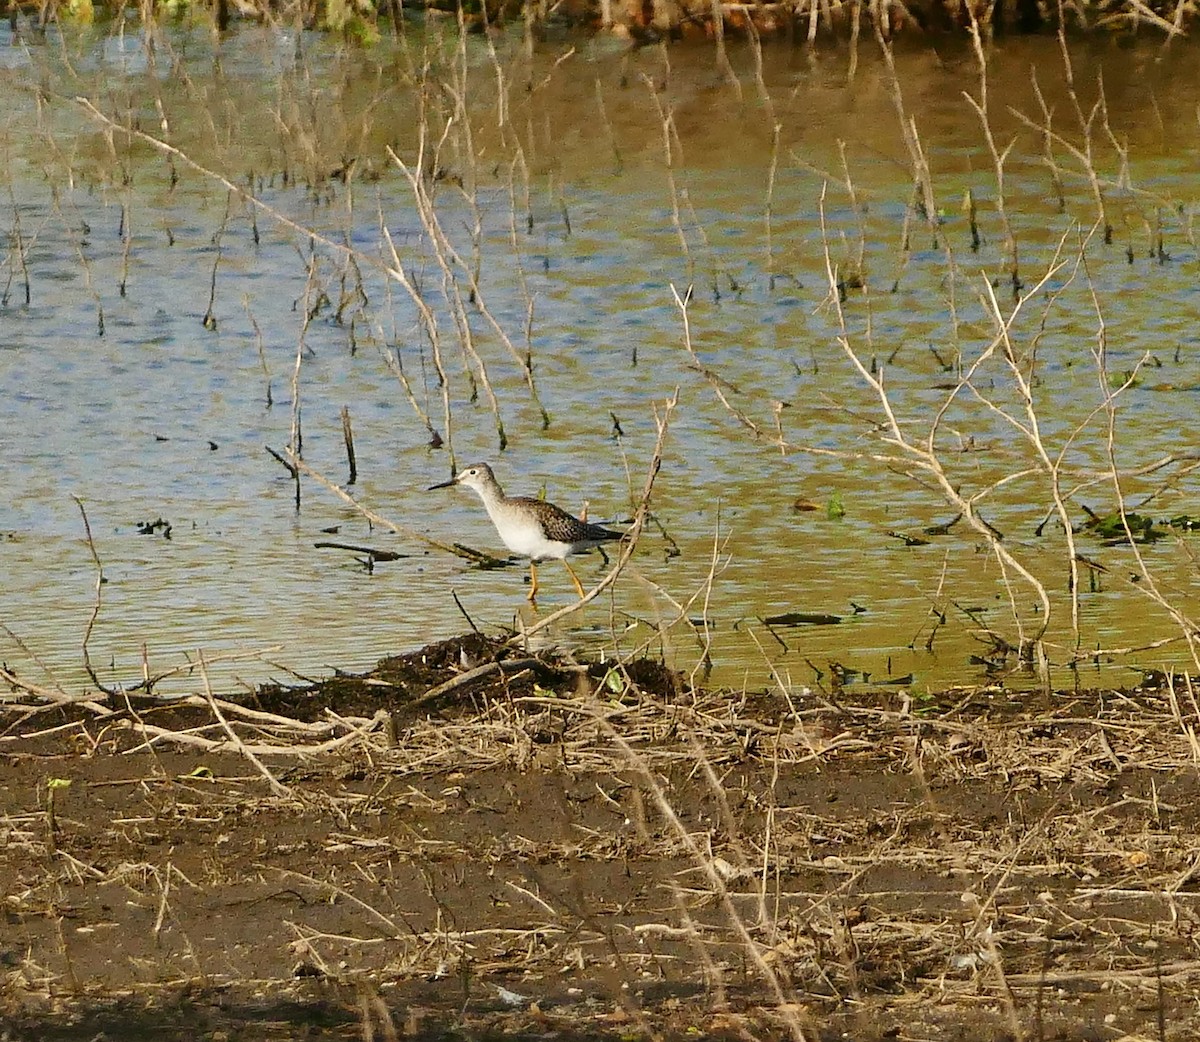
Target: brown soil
{"points": [[572, 851]]}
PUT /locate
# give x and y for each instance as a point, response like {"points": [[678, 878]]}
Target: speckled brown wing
{"points": [[560, 526]]}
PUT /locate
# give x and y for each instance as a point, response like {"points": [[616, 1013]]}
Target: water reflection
{"points": [[588, 209]]}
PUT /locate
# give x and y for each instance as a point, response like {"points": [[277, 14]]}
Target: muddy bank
{"points": [[575, 849]]}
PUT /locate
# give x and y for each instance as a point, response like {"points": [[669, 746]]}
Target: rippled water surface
{"points": [[167, 303]]}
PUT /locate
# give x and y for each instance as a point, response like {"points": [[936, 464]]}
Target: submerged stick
{"points": [[210, 319], [374, 555], [457, 550], [19, 248], [348, 435], [283, 463]]}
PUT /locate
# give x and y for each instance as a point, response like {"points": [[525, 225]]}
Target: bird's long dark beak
{"points": [[444, 484]]}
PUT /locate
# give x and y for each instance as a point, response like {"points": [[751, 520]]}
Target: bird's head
{"points": [[477, 476]]}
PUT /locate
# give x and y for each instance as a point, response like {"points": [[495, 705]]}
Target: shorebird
{"points": [[531, 527]]}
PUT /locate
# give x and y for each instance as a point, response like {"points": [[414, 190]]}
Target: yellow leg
{"points": [[533, 586], [574, 577]]}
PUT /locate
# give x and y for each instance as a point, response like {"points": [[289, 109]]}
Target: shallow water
{"points": [[128, 401]]}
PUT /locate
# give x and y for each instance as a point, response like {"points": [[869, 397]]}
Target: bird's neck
{"points": [[492, 496]]}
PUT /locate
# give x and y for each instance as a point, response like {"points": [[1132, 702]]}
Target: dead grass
{"points": [[603, 849]]}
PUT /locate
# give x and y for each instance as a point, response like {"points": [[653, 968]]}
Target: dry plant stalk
{"points": [[924, 457], [921, 454]]}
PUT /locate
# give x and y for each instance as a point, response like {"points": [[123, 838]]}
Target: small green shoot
{"points": [[52, 787]]}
